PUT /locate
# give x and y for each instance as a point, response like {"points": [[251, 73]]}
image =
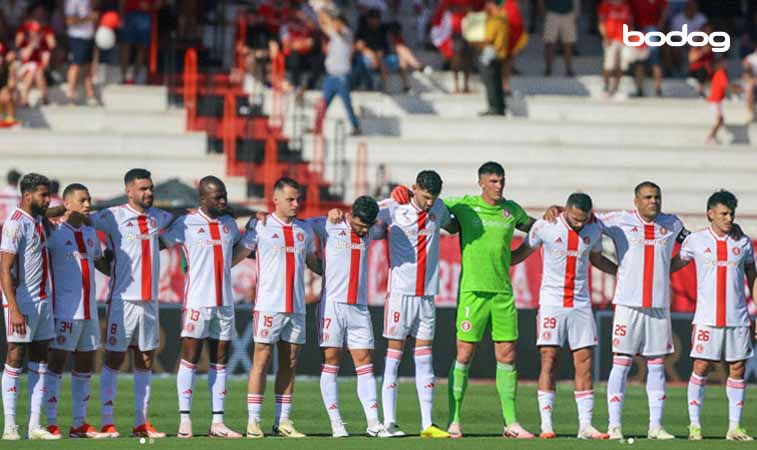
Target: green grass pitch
{"points": [[481, 419]]}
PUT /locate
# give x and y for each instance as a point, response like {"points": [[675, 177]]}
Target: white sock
{"points": [[108, 382], [585, 404], [52, 394], [11, 383], [330, 391], [546, 401], [656, 391], [735, 392], [424, 383], [616, 388], [217, 387], [185, 386], [79, 396], [36, 377], [697, 385], [283, 407], [254, 405], [142, 390], [389, 386], [366, 392]]}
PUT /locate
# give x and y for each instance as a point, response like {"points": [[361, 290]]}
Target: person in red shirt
{"points": [[8, 91], [35, 43], [613, 14], [649, 16], [135, 34], [454, 48], [718, 90]]}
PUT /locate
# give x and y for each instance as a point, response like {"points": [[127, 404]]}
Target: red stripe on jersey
{"points": [[144, 232], [289, 244], [722, 275], [355, 254], [648, 280], [113, 266], [43, 283], [570, 270], [85, 273], [215, 234], [420, 274]]}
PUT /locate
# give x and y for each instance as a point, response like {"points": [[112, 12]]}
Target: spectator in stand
{"points": [[650, 16], [517, 38], [12, 14], [136, 31], [55, 199], [749, 67], [718, 90], [694, 21], [492, 58], [81, 19], [9, 195], [612, 15], [35, 43], [700, 63], [338, 64], [301, 44], [447, 35], [8, 88], [559, 25], [257, 48]]}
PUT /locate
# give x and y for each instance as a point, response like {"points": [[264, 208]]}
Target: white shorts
{"points": [[77, 335], [272, 327], [132, 323], [341, 323], [555, 324], [715, 344], [560, 27], [620, 56], [643, 331], [214, 322], [409, 315], [39, 323]]}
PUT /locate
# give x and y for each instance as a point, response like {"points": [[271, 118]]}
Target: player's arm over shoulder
{"points": [[176, 234], [523, 221]]}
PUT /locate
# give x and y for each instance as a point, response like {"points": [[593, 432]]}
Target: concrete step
{"points": [[97, 119], [115, 97], [55, 144]]}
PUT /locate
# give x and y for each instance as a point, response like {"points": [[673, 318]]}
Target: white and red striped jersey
{"points": [[644, 251], [345, 262], [721, 295], [208, 246], [73, 252], [565, 273], [413, 245], [133, 238], [282, 250], [25, 237]]}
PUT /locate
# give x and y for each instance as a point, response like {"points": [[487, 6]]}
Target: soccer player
{"points": [[644, 240], [721, 323], [27, 294], [131, 232], [343, 315], [209, 238], [570, 244], [284, 247], [75, 252], [413, 232]]}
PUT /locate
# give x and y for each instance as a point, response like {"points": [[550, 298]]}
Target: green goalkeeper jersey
{"points": [[485, 235]]}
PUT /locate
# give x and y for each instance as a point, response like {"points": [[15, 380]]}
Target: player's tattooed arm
{"points": [[521, 253], [678, 263], [103, 265], [602, 263], [452, 227], [240, 253], [526, 226], [314, 263]]}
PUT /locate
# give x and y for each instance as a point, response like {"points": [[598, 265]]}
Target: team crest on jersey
{"points": [[616, 342], [466, 325], [736, 251], [301, 237], [432, 217], [700, 348], [264, 333], [226, 229], [506, 212], [587, 240], [112, 340], [61, 339], [190, 327], [663, 231], [90, 242], [547, 335], [153, 223]]}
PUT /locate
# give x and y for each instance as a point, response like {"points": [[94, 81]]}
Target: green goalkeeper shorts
{"points": [[475, 310]]}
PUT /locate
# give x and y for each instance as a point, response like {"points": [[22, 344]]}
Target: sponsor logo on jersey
{"points": [[736, 251], [301, 236], [226, 229], [587, 240]]}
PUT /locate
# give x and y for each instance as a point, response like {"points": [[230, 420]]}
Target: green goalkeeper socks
{"points": [[507, 387], [458, 382]]}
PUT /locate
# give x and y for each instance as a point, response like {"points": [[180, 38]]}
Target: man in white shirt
{"points": [[81, 19], [343, 314], [75, 253], [27, 297], [284, 247], [721, 326], [209, 238], [570, 244]]}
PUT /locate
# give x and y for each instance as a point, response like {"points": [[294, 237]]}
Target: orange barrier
{"points": [[271, 169], [240, 42], [229, 133], [190, 88], [361, 170], [278, 75], [154, 45]]}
